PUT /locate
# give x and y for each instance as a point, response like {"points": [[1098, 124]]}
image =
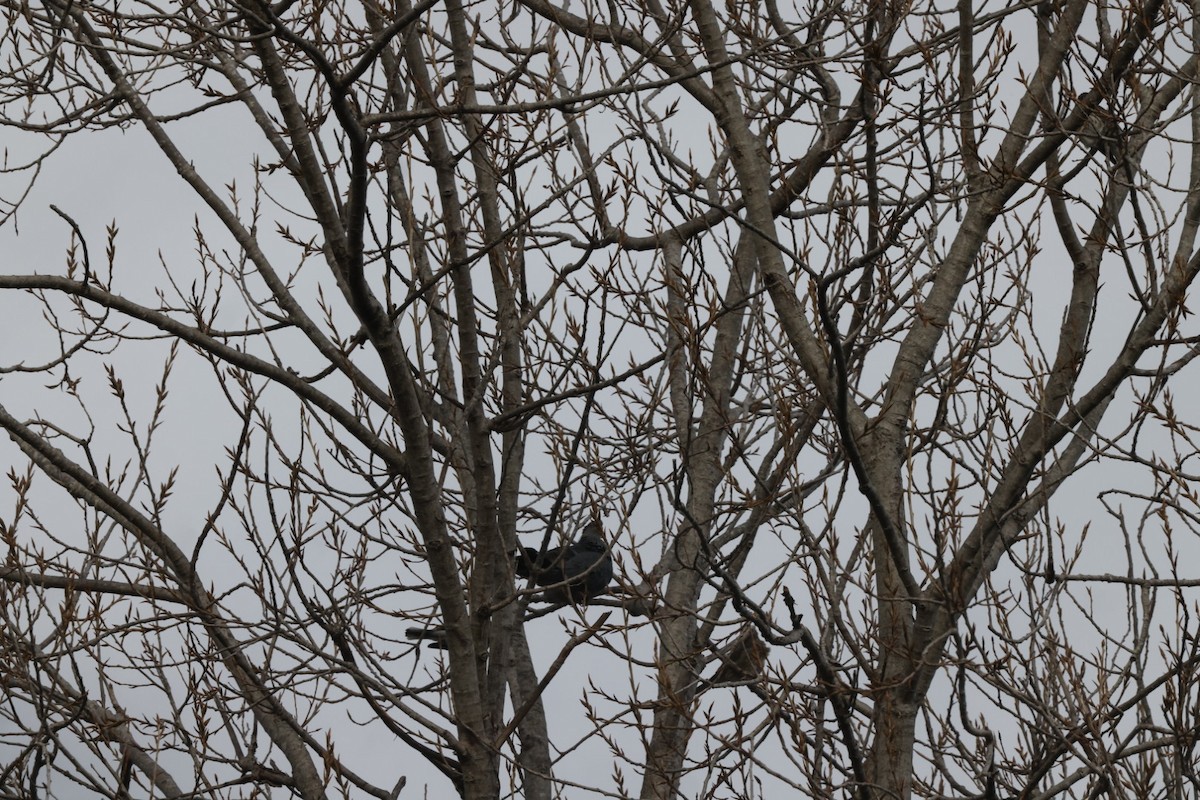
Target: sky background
{"points": [[116, 177]]}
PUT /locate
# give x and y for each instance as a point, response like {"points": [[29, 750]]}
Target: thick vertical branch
{"points": [[678, 649], [497, 500]]}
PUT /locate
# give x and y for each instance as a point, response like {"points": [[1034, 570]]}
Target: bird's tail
{"points": [[436, 636], [527, 562]]}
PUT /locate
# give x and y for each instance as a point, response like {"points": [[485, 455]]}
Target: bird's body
{"points": [[575, 572], [741, 661]]}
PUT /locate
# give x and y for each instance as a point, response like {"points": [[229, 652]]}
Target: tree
{"points": [[800, 303]]}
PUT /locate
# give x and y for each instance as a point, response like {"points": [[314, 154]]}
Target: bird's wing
{"points": [[579, 560]]}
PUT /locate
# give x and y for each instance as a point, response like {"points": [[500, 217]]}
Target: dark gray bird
{"points": [[574, 573], [741, 661]]}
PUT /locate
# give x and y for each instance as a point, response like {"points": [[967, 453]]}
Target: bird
{"points": [[574, 573], [741, 661]]}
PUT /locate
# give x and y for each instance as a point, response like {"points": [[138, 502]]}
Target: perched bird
{"points": [[575, 572], [741, 661]]}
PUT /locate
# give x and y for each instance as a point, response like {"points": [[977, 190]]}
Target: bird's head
{"points": [[592, 538]]}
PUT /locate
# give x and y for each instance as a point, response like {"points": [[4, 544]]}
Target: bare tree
{"points": [[855, 328]]}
